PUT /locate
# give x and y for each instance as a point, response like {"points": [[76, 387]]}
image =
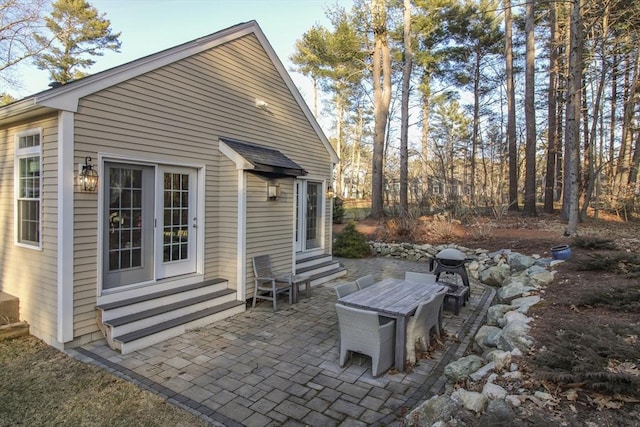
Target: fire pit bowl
{"points": [[451, 257]]}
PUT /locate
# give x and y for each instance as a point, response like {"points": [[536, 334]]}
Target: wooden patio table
{"points": [[394, 298]]}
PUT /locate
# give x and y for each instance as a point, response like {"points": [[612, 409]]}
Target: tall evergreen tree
{"points": [[430, 33], [334, 60], [80, 32], [475, 40]]}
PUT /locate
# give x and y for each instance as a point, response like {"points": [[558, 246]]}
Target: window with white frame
{"points": [[28, 171]]}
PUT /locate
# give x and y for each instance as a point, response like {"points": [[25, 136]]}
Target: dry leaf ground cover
{"points": [[587, 354]]}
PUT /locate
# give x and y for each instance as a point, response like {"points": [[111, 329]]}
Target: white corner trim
{"points": [[65, 226], [242, 237], [294, 229]]}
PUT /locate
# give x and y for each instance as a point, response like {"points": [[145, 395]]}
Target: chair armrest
{"points": [[282, 277], [387, 331], [388, 325]]}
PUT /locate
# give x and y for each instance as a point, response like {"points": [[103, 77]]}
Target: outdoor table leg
{"points": [[401, 337], [294, 289], [296, 281]]}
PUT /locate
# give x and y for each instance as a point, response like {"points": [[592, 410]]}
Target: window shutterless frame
{"points": [[28, 189]]}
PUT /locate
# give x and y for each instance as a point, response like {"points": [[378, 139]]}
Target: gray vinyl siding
{"points": [[176, 115], [31, 274], [269, 226]]}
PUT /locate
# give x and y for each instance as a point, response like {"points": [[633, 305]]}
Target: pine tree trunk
{"points": [[511, 110], [382, 98], [404, 125], [552, 149], [529, 208], [572, 128]]}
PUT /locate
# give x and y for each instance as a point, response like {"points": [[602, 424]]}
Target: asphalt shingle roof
{"points": [[265, 159]]}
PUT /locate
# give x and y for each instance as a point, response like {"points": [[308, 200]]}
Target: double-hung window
{"points": [[28, 166]]}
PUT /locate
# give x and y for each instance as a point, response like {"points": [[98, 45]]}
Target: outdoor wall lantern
{"points": [[273, 190], [88, 176], [330, 194]]}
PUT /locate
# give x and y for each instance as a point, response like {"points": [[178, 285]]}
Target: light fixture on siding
{"points": [[273, 190], [88, 176], [261, 104], [330, 194]]}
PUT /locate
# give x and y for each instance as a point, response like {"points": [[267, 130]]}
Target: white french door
{"points": [[176, 221], [309, 199], [150, 223]]}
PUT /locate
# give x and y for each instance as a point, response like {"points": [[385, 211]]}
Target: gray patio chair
{"points": [[365, 281], [361, 332], [428, 316], [344, 289], [412, 276], [269, 284]]}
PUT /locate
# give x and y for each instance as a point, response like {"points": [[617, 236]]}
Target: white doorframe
{"points": [[176, 214], [153, 248], [310, 214]]}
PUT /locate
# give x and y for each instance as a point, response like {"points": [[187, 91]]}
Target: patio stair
{"points": [[144, 320], [321, 267]]}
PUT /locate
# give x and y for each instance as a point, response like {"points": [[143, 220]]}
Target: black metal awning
{"points": [[264, 160]]}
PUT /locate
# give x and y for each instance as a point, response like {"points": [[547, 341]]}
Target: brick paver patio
{"points": [[262, 368]]}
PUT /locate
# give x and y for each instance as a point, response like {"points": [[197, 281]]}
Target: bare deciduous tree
{"points": [[20, 22]]}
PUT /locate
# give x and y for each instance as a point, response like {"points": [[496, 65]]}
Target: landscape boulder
{"points": [[461, 368]]}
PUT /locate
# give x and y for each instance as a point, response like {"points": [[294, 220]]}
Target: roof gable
{"points": [[66, 97]]}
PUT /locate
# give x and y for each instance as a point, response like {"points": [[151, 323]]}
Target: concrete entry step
{"points": [[321, 268], [141, 321], [9, 308]]}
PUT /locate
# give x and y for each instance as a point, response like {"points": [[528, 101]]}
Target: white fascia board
{"points": [[66, 98], [240, 162], [22, 110], [296, 93], [16, 108]]}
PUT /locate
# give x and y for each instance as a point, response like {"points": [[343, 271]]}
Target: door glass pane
{"points": [[125, 218], [176, 217], [313, 216]]}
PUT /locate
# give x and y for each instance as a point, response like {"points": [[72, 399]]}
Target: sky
{"points": [[149, 26]]}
